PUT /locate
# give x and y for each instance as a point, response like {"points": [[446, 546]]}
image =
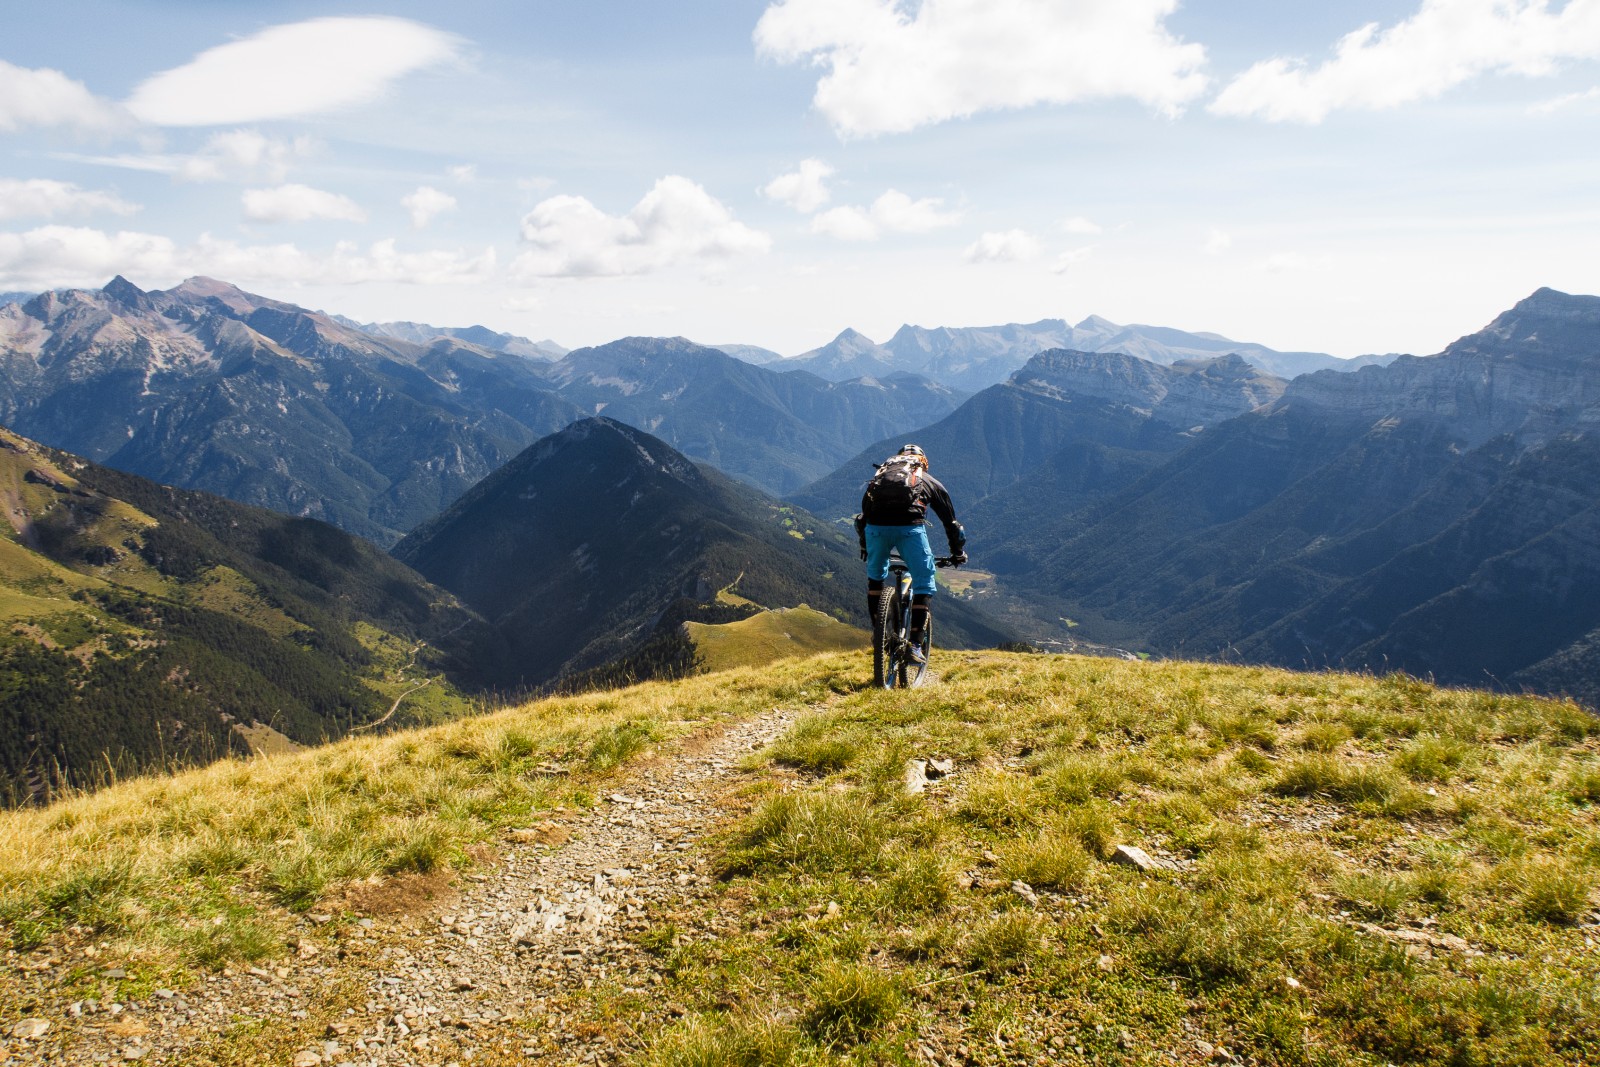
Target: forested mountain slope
{"points": [[139, 625], [583, 546]]}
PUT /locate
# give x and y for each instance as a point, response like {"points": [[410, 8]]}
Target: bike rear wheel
{"points": [[886, 639]]}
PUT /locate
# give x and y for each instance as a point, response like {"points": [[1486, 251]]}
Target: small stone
{"points": [[308, 1058], [1025, 891], [135, 1052], [940, 768], [1292, 982], [114, 972], [833, 909], [461, 985], [31, 1029], [916, 775], [1134, 856]]}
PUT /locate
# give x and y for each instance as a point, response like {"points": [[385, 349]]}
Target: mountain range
{"points": [[1073, 425], [774, 430], [208, 387], [147, 626], [973, 358], [421, 333], [1435, 515]]}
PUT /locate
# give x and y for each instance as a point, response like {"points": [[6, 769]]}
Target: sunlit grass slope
{"points": [[785, 633], [1360, 870], [1363, 871], [150, 866]]}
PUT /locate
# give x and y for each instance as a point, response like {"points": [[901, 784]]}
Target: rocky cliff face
{"points": [[1533, 372], [1186, 394]]}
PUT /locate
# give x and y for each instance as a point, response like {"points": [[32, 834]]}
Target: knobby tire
{"points": [[886, 637]]}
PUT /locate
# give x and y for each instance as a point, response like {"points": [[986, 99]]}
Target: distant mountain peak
{"points": [[1552, 303], [125, 292]]}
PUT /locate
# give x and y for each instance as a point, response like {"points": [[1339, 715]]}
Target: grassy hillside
{"points": [[144, 626], [770, 636], [1350, 869]]}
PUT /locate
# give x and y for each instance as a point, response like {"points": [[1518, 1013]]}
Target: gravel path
{"points": [[534, 958]]}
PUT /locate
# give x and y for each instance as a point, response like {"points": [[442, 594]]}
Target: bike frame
{"points": [[892, 663]]}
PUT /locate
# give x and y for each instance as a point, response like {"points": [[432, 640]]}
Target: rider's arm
{"points": [[939, 501]]}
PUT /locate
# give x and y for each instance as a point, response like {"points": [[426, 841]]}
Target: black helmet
{"points": [[914, 450]]}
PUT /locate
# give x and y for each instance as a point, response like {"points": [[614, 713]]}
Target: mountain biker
{"points": [[894, 505]]}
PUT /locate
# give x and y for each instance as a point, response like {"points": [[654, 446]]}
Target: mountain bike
{"points": [[892, 662]]}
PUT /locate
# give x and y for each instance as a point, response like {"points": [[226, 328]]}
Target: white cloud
{"points": [[297, 69], [896, 211], [1003, 246], [43, 198], [803, 189], [55, 256], [299, 203], [893, 212], [1080, 226], [465, 173], [49, 98], [1218, 242], [1445, 43], [1070, 258], [426, 203], [676, 221], [235, 155], [895, 65], [845, 224], [245, 153], [1546, 107]]}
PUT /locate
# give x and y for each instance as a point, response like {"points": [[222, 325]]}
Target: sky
{"points": [[1353, 177]]}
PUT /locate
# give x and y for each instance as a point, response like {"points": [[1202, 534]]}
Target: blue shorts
{"points": [[912, 541]]}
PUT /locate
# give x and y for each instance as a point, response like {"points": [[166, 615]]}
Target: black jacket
{"points": [[929, 493]]}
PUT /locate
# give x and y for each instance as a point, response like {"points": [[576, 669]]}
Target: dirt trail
{"points": [[504, 968]]}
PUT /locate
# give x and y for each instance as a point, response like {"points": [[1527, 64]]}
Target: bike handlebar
{"points": [[896, 563]]}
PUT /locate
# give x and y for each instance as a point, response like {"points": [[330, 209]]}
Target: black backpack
{"points": [[891, 497]]}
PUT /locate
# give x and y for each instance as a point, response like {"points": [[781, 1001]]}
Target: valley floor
{"points": [[1141, 863]]}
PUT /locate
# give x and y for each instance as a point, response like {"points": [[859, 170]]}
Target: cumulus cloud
{"points": [[465, 173], [43, 198], [56, 256], [427, 203], [845, 224], [1080, 225], [299, 203], [1003, 246], [1445, 43], [803, 189], [293, 70], [45, 97], [676, 221], [893, 212], [895, 65]]}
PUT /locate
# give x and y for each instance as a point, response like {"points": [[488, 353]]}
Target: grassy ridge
{"points": [[1360, 870], [769, 636], [208, 866], [1366, 871]]}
